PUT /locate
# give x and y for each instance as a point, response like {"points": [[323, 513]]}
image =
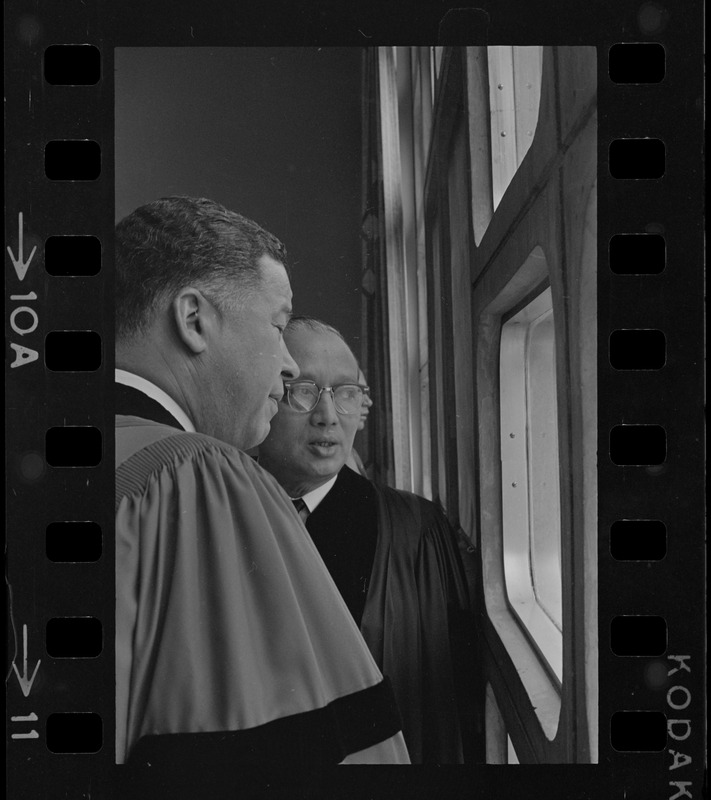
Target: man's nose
{"points": [[289, 368], [325, 412]]}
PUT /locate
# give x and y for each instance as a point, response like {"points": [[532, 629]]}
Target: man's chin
{"points": [[256, 437], [326, 467]]}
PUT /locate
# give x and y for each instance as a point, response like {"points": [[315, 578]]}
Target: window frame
{"points": [[531, 213], [402, 82], [477, 266], [544, 633], [450, 388]]}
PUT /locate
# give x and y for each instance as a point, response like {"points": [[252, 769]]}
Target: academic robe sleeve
{"points": [[419, 625], [228, 623]]}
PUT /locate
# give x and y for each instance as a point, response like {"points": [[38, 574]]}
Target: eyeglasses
{"points": [[304, 396]]}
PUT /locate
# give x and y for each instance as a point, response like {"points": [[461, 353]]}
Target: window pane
{"points": [[530, 479], [512, 757], [543, 490], [437, 53], [438, 355], [527, 73], [514, 99]]}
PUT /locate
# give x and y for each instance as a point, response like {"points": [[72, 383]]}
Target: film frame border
{"points": [[39, 401]]}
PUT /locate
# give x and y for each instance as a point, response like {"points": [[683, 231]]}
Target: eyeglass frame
{"points": [[321, 389]]}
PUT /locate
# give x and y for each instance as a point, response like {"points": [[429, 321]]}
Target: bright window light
{"points": [[514, 98], [512, 756], [530, 476]]}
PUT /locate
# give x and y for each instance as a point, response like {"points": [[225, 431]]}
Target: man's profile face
{"points": [[367, 402], [304, 450], [247, 359]]}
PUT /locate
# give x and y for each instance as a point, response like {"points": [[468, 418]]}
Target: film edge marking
{"points": [[680, 759], [23, 355]]}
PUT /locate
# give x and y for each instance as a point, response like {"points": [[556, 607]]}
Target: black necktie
{"points": [[301, 507]]}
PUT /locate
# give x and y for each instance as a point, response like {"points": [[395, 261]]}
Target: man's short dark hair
{"points": [[176, 242]]}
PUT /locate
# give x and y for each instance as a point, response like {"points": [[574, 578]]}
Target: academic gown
{"points": [[233, 645], [398, 565]]}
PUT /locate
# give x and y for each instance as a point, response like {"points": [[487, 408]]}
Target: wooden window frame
{"points": [[478, 266], [536, 620], [531, 213], [404, 114], [449, 100], [561, 160]]}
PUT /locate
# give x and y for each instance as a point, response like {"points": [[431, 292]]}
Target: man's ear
{"points": [[193, 317]]}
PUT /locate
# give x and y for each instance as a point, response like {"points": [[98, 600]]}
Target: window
{"points": [[436, 62], [487, 263], [514, 98], [530, 485], [402, 80], [533, 300], [520, 489], [512, 757]]}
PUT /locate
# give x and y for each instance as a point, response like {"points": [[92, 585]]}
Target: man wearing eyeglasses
{"points": [[393, 555]]}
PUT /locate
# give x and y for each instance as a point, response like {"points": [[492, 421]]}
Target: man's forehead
{"points": [[275, 282], [319, 348], [271, 269]]}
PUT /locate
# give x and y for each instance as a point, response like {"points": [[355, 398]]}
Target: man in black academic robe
{"points": [[393, 555]]}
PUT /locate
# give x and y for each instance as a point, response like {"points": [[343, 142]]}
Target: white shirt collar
{"points": [[315, 496], [155, 393]]}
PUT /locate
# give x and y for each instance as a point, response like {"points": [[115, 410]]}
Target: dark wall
{"points": [[273, 133]]}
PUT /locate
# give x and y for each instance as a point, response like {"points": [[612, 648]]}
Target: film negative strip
{"points": [[592, 205]]}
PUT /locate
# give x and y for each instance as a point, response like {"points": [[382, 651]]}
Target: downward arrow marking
{"points": [[21, 266], [25, 684]]}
